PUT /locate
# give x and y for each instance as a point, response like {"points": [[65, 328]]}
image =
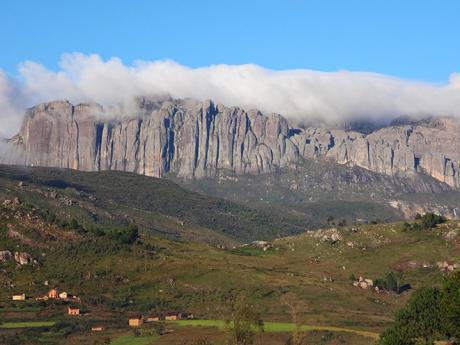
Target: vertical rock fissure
{"points": [[110, 143], [98, 144], [209, 120], [77, 142], [197, 147], [137, 144]]}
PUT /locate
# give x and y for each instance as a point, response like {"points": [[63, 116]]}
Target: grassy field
{"points": [[28, 324], [277, 327]]}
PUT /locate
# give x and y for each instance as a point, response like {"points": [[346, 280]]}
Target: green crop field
{"points": [[276, 327], [27, 324]]}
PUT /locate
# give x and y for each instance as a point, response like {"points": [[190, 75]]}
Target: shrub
{"points": [[425, 222], [430, 220], [95, 230], [159, 328], [126, 235], [406, 226], [74, 224], [391, 282]]}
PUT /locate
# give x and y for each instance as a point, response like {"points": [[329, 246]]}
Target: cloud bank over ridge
{"points": [[304, 95]]}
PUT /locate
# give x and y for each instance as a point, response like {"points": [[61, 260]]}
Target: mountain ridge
{"points": [[196, 139]]}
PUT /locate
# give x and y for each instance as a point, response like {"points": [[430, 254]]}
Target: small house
{"points": [[187, 316], [97, 328], [173, 316], [153, 318], [63, 295], [136, 321], [53, 294], [73, 311], [19, 297]]}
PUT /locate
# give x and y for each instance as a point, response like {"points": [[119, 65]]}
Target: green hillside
{"points": [[159, 207], [321, 191], [115, 278]]}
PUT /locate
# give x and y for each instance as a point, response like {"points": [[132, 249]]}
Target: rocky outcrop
{"points": [[331, 236], [194, 140], [23, 258], [5, 255]]}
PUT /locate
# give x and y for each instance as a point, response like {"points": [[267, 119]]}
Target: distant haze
{"points": [[303, 95]]}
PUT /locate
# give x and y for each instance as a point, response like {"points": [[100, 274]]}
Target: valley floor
{"points": [[193, 331]]}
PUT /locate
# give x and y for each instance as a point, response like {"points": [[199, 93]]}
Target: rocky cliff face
{"points": [[194, 140]]}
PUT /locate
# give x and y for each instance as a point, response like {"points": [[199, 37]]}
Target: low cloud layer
{"points": [[300, 94], [10, 154]]}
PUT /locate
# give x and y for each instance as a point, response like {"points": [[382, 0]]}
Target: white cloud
{"points": [[10, 154], [455, 80], [12, 102], [301, 94]]}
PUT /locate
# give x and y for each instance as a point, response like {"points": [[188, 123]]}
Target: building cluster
{"points": [[54, 294], [133, 321], [138, 319], [59, 295]]}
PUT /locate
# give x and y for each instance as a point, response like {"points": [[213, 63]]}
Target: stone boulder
{"points": [[331, 236], [364, 283], [264, 245], [451, 235], [23, 258], [5, 255]]}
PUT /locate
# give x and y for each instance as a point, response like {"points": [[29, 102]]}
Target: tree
{"points": [[420, 322], [450, 305], [424, 315], [295, 307], [246, 321], [396, 335], [393, 281], [427, 221], [431, 314], [430, 220]]}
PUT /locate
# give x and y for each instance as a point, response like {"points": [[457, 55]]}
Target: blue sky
{"points": [[410, 39]]}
